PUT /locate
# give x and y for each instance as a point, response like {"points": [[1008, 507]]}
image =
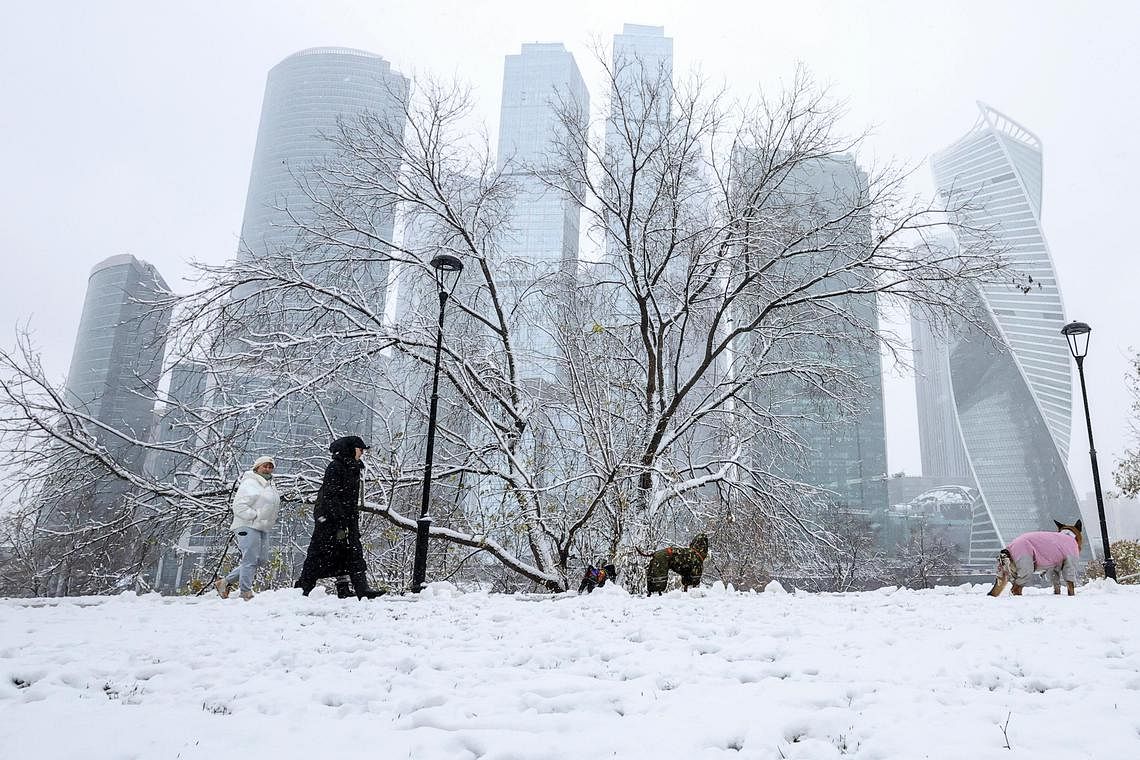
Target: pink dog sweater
{"points": [[1047, 550]]}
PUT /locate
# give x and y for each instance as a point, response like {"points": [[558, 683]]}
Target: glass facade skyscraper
{"points": [[114, 375], [1013, 400], [845, 453], [939, 439], [643, 46], [117, 360], [642, 96], [114, 378], [535, 82], [540, 248], [186, 396], [642, 65], [307, 96]]}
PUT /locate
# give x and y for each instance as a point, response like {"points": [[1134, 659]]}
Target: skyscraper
{"points": [[846, 452], [540, 250], [113, 379], [640, 48], [1012, 401], [642, 65], [117, 362], [939, 439], [306, 96], [186, 397], [640, 102], [535, 83]]}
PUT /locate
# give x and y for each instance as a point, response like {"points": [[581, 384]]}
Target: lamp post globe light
{"points": [[1078, 333], [447, 269]]}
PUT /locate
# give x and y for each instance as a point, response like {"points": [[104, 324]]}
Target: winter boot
{"points": [[305, 585], [360, 585], [222, 588], [247, 595], [343, 591]]}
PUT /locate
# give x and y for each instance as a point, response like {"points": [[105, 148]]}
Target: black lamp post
{"points": [[1077, 334], [447, 270]]}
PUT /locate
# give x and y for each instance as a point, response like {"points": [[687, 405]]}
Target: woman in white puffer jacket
{"points": [[255, 508]]}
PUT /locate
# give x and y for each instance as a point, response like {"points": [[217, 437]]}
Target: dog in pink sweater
{"points": [[1058, 554]]}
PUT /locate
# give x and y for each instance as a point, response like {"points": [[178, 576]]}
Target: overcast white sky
{"points": [[128, 127]]}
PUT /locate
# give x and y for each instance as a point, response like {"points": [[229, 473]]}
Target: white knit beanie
{"points": [[263, 460]]}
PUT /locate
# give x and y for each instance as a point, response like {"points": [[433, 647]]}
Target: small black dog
{"points": [[597, 575]]}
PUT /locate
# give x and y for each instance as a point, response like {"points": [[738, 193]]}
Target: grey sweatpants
{"points": [[254, 547]]}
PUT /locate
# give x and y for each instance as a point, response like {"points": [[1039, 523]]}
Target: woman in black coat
{"points": [[335, 548]]}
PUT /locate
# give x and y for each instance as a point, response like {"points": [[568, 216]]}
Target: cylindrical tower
{"points": [[117, 360], [305, 95], [308, 96]]}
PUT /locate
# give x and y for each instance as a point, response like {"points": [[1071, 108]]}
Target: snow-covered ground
{"points": [[948, 673]]}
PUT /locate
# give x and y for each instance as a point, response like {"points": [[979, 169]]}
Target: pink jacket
{"points": [[1047, 548]]}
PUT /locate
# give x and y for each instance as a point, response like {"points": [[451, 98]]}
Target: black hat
{"points": [[346, 444]]}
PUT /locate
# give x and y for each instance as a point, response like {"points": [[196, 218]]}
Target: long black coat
{"points": [[335, 547]]}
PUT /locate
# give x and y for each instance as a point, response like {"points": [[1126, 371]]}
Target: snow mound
{"points": [[440, 590], [704, 674]]}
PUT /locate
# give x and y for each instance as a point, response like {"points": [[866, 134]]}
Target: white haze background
{"points": [[129, 127]]}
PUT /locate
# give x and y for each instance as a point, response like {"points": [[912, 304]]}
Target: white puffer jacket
{"points": [[255, 503]]}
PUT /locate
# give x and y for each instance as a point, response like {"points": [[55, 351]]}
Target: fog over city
{"points": [[475, 378], [130, 127]]}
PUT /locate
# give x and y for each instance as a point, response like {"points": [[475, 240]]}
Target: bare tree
{"points": [[735, 283], [733, 278], [59, 455], [847, 558], [22, 556], [1127, 474], [925, 556]]}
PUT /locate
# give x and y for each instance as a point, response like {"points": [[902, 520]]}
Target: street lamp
{"points": [[447, 269], [1077, 333]]}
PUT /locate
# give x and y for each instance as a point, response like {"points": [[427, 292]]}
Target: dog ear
{"points": [[1059, 525], [1077, 525]]}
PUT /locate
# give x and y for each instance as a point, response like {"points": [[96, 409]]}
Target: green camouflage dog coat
{"points": [[688, 563]]}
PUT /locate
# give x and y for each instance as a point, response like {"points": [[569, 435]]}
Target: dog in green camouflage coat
{"points": [[689, 563]]}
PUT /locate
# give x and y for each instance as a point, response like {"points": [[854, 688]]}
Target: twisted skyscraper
{"points": [[1013, 401]]}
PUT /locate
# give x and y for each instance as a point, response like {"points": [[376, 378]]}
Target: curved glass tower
{"points": [[307, 95], [1014, 401], [118, 354], [114, 376]]}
